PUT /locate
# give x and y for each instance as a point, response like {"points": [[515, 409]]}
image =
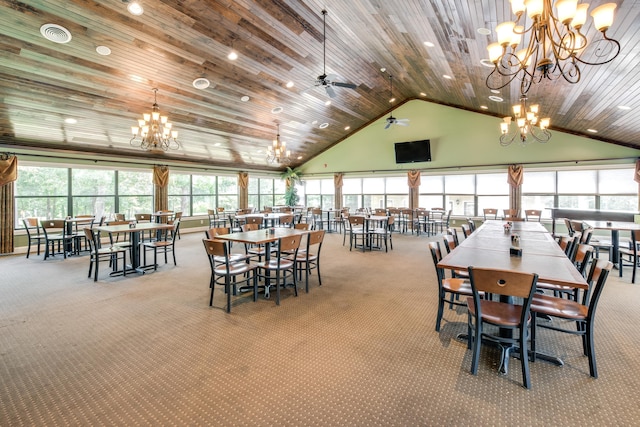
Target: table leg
{"points": [[615, 243]]}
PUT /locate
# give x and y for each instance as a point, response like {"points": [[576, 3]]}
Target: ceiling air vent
{"points": [[55, 33]]}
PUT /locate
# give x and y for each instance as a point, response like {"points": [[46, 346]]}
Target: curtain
{"points": [[413, 179], [337, 183], [8, 174], [515, 177], [160, 188], [243, 184]]}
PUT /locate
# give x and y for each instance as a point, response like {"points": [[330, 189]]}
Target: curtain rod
{"points": [[474, 166]]}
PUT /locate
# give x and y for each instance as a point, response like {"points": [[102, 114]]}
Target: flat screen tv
{"points": [[413, 151]]}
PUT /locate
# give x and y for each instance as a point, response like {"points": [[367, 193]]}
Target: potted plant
{"points": [[291, 178]]}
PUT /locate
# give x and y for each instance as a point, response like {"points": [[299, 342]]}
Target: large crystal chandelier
{"points": [[553, 46], [526, 122], [154, 132], [278, 153]]}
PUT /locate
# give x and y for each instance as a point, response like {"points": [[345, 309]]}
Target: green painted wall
{"points": [[459, 138]]}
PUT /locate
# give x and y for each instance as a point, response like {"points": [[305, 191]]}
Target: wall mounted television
{"points": [[413, 151]]}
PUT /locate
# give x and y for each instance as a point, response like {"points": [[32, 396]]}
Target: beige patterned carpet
{"points": [[361, 350]]}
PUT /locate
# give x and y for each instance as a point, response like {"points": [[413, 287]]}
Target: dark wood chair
{"points": [[449, 289], [166, 244], [281, 263], [533, 215], [308, 259], [56, 236], [227, 272], [97, 253], [34, 235], [629, 255], [505, 314], [357, 232], [582, 313], [490, 213]]}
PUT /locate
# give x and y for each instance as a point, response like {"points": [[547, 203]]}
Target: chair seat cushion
{"points": [[497, 313], [272, 264], [558, 307]]}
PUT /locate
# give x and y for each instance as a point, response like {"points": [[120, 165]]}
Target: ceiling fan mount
{"points": [[327, 81], [392, 120]]}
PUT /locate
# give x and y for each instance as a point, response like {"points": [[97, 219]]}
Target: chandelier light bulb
{"points": [[525, 129]]}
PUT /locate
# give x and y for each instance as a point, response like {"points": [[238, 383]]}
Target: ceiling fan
{"points": [[392, 120], [327, 81]]}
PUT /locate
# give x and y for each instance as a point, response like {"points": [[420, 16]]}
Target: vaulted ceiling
{"points": [[68, 96]]}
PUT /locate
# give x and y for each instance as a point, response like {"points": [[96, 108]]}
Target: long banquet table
{"points": [[489, 247]]}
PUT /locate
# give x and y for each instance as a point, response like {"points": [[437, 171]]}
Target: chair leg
{"points": [[524, 357], [441, 299], [593, 370]]}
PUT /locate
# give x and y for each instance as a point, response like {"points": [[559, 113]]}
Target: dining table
{"points": [[162, 216], [490, 247], [615, 227], [370, 223], [135, 230], [263, 237]]}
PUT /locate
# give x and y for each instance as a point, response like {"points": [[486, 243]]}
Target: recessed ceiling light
{"points": [[299, 157], [484, 31], [55, 33], [423, 94], [70, 121], [624, 107], [324, 125], [314, 122], [484, 107], [347, 127], [135, 8], [592, 130], [487, 63], [496, 98], [327, 103], [429, 44], [392, 100], [382, 70], [233, 55], [137, 78], [495, 91], [289, 84], [245, 98], [103, 50], [277, 110], [446, 76], [201, 83]]}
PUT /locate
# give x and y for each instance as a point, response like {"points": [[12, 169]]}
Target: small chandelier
{"points": [[555, 47], [278, 153], [154, 132], [526, 122]]}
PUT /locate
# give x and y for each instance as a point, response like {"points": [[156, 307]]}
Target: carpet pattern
{"points": [[359, 350]]}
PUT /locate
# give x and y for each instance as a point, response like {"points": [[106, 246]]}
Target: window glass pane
{"points": [[203, 184], [327, 187], [328, 201], [312, 186], [539, 182], [279, 186], [40, 207], [577, 182], [228, 185], [496, 202], [90, 182], [374, 201], [351, 201], [180, 203], [398, 200], [459, 184], [253, 200], [617, 181], [460, 205], [538, 202], [619, 203], [577, 202], [42, 181], [135, 183], [352, 186], [372, 185], [313, 200], [397, 185], [98, 206], [432, 184], [131, 205], [492, 183], [228, 202], [266, 186], [428, 202], [279, 200], [254, 185], [203, 203]]}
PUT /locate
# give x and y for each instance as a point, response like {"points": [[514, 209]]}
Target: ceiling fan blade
{"points": [[388, 124], [402, 124], [303, 91], [330, 91], [402, 120], [349, 85]]}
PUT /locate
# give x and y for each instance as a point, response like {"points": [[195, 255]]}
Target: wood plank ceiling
{"points": [[173, 42]]}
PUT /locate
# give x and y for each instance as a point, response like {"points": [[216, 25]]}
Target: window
{"points": [[617, 189], [493, 192], [228, 193], [135, 192], [459, 194], [577, 189], [538, 192], [320, 193], [266, 192], [203, 193], [41, 192], [179, 193]]}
